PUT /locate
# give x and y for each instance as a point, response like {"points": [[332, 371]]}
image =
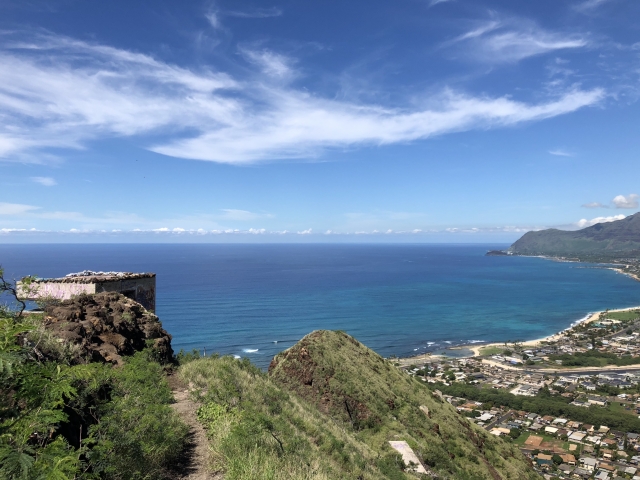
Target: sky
{"points": [[288, 121]]}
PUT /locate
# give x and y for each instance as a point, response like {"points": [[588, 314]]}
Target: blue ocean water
{"points": [[256, 300]]}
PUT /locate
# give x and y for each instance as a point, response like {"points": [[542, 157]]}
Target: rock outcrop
{"points": [[106, 326]]}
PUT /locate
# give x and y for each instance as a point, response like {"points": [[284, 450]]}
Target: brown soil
{"points": [[193, 464]]}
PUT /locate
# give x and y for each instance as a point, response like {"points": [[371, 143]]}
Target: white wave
{"points": [[448, 341], [237, 357], [249, 350], [475, 341], [431, 343]]}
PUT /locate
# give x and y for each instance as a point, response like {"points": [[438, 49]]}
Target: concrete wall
{"points": [[142, 290], [61, 291]]}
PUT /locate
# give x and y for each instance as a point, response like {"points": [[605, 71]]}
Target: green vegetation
{"points": [[626, 316], [259, 431], [492, 350], [545, 404], [594, 358], [60, 420], [604, 239], [375, 402]]}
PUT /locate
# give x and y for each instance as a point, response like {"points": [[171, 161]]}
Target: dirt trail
{"points": [[194, 464]]}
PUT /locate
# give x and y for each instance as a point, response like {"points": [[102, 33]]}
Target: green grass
{"points": [[259, 431], [623, 316], [491, 350], [617, 407], [367, 396]]}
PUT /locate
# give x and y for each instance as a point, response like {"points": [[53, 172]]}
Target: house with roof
{"points": [[589, 463], [544, 459]]}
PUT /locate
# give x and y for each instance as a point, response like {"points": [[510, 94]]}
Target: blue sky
{"points": [[397, 120]]}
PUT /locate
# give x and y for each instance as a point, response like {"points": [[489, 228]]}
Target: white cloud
{"points": [[214, 19], [594, 205], [590, 4], [15, 208], [46, 181], [271, 63], [436, 2], [63, 93], [242, 215], [561, 153], [587, 223], [305, 232], [630, 201], [511, 40], [258, 12]]}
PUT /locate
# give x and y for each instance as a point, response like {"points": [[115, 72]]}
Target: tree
{"points": [[10, 288], [557, 459]]}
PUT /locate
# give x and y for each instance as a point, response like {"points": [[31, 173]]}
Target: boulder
{"points": [[106, 326]]}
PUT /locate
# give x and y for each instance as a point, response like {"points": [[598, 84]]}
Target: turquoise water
{"points": [[256, 300]]}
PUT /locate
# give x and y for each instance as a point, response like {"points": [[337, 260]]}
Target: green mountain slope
{"points": [[610, 239], [375, 403], [257, 430]]}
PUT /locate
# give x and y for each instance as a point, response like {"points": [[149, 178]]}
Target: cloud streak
{"points": [[508, 41], [63, 93], [561, 153], [46, 181], [258, 12]]}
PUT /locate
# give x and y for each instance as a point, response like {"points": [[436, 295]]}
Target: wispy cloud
{"points": [[242, 215], [270, 63], [587, 223], [590, 5], [46, 181], [436, 2], [214, 19], [630, 201], [258, 12], [16, 208], [561, 153], [62, 93], [594, 205], [510, 40]]}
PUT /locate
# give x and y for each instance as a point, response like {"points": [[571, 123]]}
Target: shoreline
{"points": [[589, 318], [475, 348]]}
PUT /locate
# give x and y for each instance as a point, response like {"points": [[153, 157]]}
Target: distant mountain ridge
{"points": [[610, 239]]}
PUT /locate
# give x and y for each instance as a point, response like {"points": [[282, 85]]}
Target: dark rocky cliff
{"points": [[106, 326]]}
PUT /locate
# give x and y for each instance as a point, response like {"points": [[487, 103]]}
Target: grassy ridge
{"points": [[257, 430], [376, 402]]}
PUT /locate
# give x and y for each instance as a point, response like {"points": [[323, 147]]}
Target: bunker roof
{"points": [[88, 276]]}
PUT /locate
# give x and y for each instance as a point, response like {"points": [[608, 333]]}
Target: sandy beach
{"points": [[624, 272], [551, 338]]}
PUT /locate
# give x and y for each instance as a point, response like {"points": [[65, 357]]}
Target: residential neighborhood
{"points": [[589, 371]]}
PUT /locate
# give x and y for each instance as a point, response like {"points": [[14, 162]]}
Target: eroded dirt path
{"points": [[194, 464]]}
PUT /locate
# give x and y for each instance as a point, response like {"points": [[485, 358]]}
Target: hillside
{"points": [[67, 412], [611, 239], [376, 403]]}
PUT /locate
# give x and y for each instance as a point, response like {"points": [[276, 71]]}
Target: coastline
{"points": [[592, 317], [476, 348], [623, 272]]}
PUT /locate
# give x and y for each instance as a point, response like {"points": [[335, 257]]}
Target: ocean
{"points": [[256, 300]]}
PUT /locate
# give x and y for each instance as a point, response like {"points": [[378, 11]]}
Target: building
{"points": [[140, 287]]}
